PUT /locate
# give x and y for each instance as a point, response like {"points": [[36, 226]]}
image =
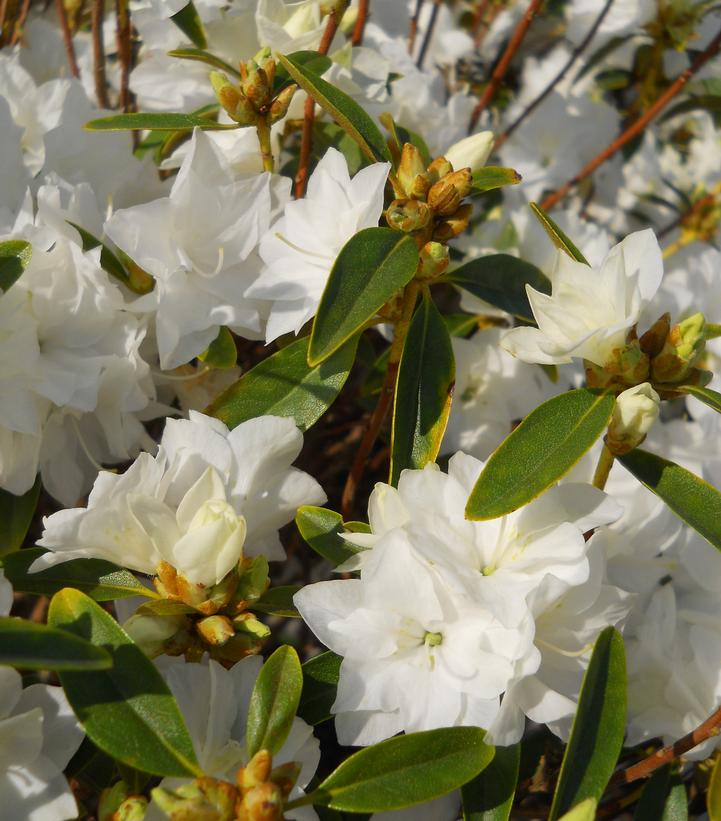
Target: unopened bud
{"points": [[247, 623], [152, 633], [434, 259], [285, 776], [445, 196], [348, 21], [634, 413], [471, 152], [628, 364], [255, 86], [279, 106], [684, 346], [455, 225], [653, 340], [337, 7], [132, 809], [262, 803], [235, 103], [253, 581], [204, 799], [215, 630], [408, 215], [439, 168], [256, 772], [412, 173]]}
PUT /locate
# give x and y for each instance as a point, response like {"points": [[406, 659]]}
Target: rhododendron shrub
{"points": [[360, 417]]}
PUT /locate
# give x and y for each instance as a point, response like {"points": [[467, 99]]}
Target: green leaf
{"points": [[16, 514], [33, 646], [285, 385], [15, 255], [311, 62], [426, 376], [711, 331], [156, 122], [663, 798], [342, 108], [493, 176], [274, 701], [189, 22], [371, 268], [489, 796], [278, 601], [501, 280], [585, 811], [320, 682], [544, 447], [598, 727], [201, 56], [691, 498], [713, 795], [221, 352], [705, 395], [406, 770], [558, 238], [128, 710], [101, 580], [329, 135], [321, 530]]}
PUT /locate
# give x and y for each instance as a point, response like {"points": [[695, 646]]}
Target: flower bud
{"points": [[439, 168], [471, 152], [253, 581], [247, 623], [434, 259], [285, 776], [255, 86], [408, 215], [238, 107], [653, 340], [279, 106], [262, 803], [683, 348], [204, 799], [110, 799], [348, 21], [455, 225], [445, 196], [337, 7], [627, 365], [132, 809], [215, 630], [256, 772], [152, 633], [634, 413], [412, 173]]}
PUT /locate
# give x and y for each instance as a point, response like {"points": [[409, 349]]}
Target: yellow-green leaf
{"points": [[493, 176], [585, 811], [221, 352], [142, 121], [321, 530], [713, 796], [15, 255], [705, 395], [558, 238]]}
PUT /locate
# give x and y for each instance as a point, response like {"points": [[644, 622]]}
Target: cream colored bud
{"points": [[408, 215], [445, 196], [410, 168], [439, 168], [216, 629], [434, 259], [255, 86], [256, 772], [471, 152], [279, 106], [684, 346], [455, 225], [263, 803], [337, 7], [347, 23], [132, 809], [634, 413], [151, 633]]}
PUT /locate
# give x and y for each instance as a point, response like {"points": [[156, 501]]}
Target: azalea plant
{"points": [[359, 425]]}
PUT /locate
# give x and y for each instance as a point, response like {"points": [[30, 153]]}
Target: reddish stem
{"points": [[101, 86], [360, 22], [125, 52], [67, 38]]}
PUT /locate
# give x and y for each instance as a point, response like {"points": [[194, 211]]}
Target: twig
{"points": [[637, 127], [666, 755], [385, 400], [125, 52], [3, 15], [603, 468], [413, 26], [499, 72], [67, 38], [428, 33], [20, 22], [580, 48], [101, 86], [306, 143], [360, 22]]}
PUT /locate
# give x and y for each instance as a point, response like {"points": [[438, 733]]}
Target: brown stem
{"points": [[125, 52], [360, 22], [428, 33], [413, 26], [385, 400], [67, 38], [19, 23], [101, 86], [499, 72], [306, 142], [666, 755], [638, 126], [580, 48], [478, 16]]}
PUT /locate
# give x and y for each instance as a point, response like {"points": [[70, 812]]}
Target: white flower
{"points": [[590, 310], [634, 413], [300, 248], [198, 243], [214, 702], [38, 736], [209, 496]]}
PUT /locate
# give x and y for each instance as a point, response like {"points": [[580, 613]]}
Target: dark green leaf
{"points": [[426, 376], [489, 797], [320, 682], [493, 176], [329, 135], [501, 280], [544, 447], [321, 530], [156, 122], [101, 580], [274, 701], [285, 385], [33, 646], [310, 60], [16, 514], [371, 268], [201, 56], [663, 798], [598, 727], [15, 255], [558, 238], [705, 395], [128, 710], [189, 22], [702, 102], [221, 352], [406, 770], [691, 498], [342, 108], [278, 601]]}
